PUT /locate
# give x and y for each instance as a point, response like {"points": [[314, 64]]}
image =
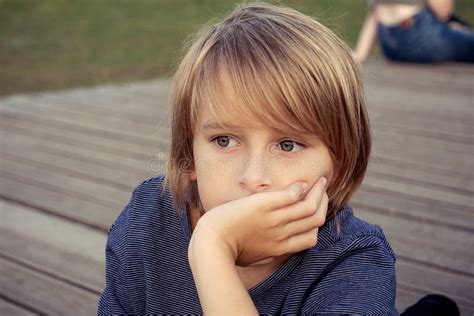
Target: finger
{"points": [[314, 221], [273, 200], [264, 261], [304, 208], [301, 242]]}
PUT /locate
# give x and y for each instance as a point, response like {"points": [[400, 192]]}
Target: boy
{"points": [[264, 101]]}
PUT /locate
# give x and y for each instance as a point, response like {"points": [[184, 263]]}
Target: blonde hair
{"points": [[288, 70]]}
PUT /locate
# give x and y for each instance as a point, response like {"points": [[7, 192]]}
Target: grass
{"points": [[55, 44]]}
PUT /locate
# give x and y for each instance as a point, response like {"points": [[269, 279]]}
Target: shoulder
{"points": [[346, 232], [150, 204], [149, 191], [352, 271], [129, 237], [347, 237]]}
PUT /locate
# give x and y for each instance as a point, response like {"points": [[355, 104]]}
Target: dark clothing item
{"points": [[425, 39], [147, 268], [433, 305]]}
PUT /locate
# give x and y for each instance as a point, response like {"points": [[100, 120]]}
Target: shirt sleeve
{"points": [[362, 281], [115, 297]]}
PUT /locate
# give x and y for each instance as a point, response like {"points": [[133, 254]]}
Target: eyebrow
{"points": [[214, 125]]}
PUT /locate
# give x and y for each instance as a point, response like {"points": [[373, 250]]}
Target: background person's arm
{"points": [[366, 38], [443, 9]]}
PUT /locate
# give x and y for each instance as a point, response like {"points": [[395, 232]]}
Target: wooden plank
{"points": [[390, 203], [71, 207], [120, 178], [87, 128], [421, 101], [457, 287], [452, 199], [430, 144], [434, 245], [48, 295], [38, 127], [67, 184], [439, 78], [417, 104], [460, 181], [78, 140], [154, 122], [449, 136], [61, 248], [423, 151], [11, 309], [402, 121], [130, 96], [133, 109], [84, 150]]}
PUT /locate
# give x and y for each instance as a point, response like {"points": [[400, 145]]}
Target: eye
{"points": [[222, 141], [288, 145]]}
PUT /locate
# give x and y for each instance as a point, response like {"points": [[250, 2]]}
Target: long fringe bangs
{"points": [[263, 84]]}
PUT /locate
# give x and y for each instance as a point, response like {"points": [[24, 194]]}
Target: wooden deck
{"points": [[70, 159]]}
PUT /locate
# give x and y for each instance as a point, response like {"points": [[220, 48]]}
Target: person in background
{"points": [[416, 31]]}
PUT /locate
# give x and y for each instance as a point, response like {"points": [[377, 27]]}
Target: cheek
{"points": [[215, 169], [212, 193], [318, 166], [214, 181]]}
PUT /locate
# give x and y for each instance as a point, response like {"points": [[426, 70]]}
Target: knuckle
{"points": [[311, 209], [281, 249], [282, 236], [275, 220], [307, 209]]}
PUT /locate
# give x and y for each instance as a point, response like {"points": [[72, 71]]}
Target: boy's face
{"points": [[234, 163]]}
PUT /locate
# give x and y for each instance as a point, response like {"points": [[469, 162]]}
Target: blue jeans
{"points": [[427, 40]]}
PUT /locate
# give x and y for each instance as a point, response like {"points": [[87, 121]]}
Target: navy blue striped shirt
{"points": [[147, 268]]}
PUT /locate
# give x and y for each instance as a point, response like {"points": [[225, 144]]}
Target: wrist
{"points": [[206, 243]]}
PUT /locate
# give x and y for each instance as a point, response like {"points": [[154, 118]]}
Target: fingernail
{"points": [[300, 187], [304, 186]]}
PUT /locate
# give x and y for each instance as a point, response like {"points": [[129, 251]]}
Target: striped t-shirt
{"points": [[147, 268]]}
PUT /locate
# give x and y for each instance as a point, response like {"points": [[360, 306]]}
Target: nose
{"points": [[254, 176]]}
